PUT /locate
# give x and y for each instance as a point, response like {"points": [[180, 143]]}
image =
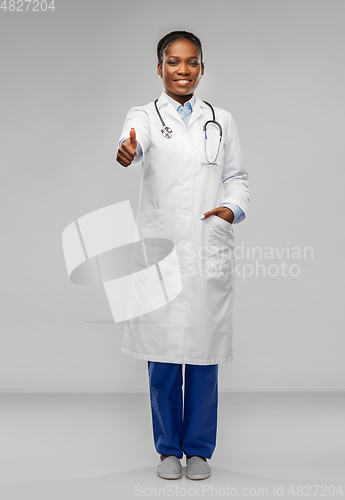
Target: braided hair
{"points": [[172, 37]]}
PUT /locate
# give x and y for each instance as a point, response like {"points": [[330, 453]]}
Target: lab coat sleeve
{"points": [[137, 118], [234, 175]]}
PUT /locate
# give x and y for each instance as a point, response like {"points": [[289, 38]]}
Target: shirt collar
{"points": [[176, 104]]}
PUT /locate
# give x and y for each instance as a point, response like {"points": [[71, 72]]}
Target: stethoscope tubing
{"points": [[167, 132]]}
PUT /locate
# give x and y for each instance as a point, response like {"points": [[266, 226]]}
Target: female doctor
{"points": [[194, 188]]}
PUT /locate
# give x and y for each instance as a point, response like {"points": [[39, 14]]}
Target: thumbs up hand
{"points": [[127, 151]]}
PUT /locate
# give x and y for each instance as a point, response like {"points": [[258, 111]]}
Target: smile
{"points": [[182, 82]]}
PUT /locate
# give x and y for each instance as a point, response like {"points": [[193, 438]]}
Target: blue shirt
{"points": [[184, 111], [185, 114]]}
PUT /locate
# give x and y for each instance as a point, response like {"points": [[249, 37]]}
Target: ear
{"points": [[159, 69], [202, 69]]}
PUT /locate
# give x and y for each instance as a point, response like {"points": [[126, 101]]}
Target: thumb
{"points": [[133, 137], [208, 214]]}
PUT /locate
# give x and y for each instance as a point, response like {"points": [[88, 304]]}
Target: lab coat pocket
{"points": [[154, 245], [218, 220], [219, 252], [147, 224]]}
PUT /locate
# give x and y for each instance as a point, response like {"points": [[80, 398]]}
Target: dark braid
{"points": [[172, 37]]}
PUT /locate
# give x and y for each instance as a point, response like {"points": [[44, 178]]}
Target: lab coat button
{"points": [[183, 242], [181, 301]]}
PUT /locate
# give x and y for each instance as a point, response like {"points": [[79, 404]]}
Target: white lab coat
{"points": [[176, 189]]}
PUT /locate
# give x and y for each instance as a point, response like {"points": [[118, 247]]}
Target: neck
{"points": [[179, 98]]}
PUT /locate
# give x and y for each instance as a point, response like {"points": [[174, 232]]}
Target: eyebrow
{"points": [[191, 57]]}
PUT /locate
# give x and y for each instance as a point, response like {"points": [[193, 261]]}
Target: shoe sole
{"points": [[198, 476], [169, 476]]}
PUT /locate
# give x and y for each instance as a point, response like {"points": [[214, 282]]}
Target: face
{"points": [[181, 70]]}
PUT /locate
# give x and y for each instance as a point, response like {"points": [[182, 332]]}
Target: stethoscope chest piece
{"points": [[166, 132]]}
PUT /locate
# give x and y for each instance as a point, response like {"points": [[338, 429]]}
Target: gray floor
{"points": [[87, 446]]}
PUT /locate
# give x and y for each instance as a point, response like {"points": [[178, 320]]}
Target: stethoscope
{"points": [[167, 132]]}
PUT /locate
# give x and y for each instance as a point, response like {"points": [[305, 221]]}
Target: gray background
{"points": [[68, 79]]}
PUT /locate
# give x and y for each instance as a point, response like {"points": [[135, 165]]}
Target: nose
{"points": [[183, 69]]}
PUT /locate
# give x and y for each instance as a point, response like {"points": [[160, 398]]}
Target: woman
{"points": [[194, 187]]}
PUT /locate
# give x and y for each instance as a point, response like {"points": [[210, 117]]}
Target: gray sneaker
{"points": [[170, 468], [197, 468]]}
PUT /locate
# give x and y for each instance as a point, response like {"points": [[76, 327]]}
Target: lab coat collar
{"points": [[163, 102], [176, 104]]}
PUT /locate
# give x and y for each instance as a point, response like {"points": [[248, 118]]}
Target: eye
{"points": [[194, 63], [171, 63]]}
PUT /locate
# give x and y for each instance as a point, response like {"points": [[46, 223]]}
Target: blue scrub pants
{"points": [[195, 433]]}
